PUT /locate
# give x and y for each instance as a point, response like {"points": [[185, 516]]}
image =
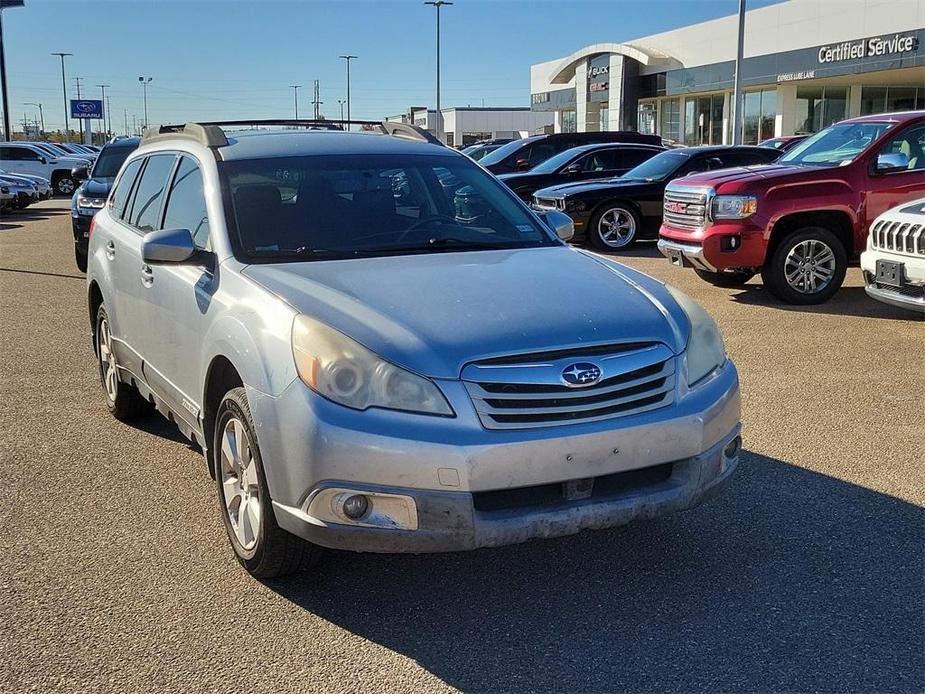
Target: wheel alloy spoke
{"points": [[240, 487], [810, 266]]}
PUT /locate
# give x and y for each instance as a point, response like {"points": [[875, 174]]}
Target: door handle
{"points": [[110, 250], [147, 275]]}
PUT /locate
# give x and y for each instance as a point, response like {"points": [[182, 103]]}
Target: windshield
{"points": [[834, 146], [553, 164], [110, 161], [502, 152], [332, 207], [657, 168]]}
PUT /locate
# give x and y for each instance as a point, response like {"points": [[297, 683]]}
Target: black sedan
{"points": [[587, 162], [614, 213]]}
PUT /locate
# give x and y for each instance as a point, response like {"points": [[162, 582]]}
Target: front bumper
{"points": [[723, 245], [446, 465], [80, 225], [911, 295]]}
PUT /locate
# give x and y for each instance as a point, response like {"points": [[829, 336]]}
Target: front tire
{"points": [[726, 280], [260, 545], [123, 399], [65, 185], [614, 227], [807, 267]]}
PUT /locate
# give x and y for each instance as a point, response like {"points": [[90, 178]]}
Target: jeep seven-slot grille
{"points": [[686, 209], [898, 237], [511, 394]]}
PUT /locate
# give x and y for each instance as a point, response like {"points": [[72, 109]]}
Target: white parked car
{"points": [[27, 158], [894, 262]]}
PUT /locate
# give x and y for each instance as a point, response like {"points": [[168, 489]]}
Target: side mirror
{"points": [[892, 162], [522, 165], [80, 173], [167, 246], [560, 223], [42, 160], [571, 169]]}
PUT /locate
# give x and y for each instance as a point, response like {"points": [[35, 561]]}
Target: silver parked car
{"points": [[381, 348]]}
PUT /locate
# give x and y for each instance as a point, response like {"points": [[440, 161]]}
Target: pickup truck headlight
{"points": [[705, 350], [90, 203], [342, 370], [734, 206]]}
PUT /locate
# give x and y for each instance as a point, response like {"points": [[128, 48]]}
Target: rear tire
{"points": [[260, 545], [614, 227], [807, 267], [123, 399], [726, 280], [81, 259]]}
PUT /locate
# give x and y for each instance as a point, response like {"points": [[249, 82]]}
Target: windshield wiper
{"points": [[445, 243]]}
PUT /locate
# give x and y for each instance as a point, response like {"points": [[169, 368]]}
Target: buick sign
{"points": [[581, 374]]}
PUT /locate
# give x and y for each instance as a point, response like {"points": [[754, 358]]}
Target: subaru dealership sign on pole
{"points": [[87, 110]]}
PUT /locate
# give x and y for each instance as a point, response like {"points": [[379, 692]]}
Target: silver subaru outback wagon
{"points": [[380, 348]]}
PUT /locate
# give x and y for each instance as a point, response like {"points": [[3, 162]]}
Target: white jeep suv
{"points": [[894, 262]]}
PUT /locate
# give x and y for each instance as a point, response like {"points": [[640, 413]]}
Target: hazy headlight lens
{"points": [[705, 351], [734, 206], [342, 370]]}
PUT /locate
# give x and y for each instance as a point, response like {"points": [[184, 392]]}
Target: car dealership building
{"points": [[807, 64]]}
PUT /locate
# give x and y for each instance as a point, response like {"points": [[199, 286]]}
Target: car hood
{"points": [[434, 313], [743, 176], [588, 187], [96, 187]]}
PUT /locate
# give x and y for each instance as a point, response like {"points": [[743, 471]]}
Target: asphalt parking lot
{"points": [[806, 575]]}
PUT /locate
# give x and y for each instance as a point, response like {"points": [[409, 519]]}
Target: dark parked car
{"points": [[477, 152], [782, 144], [614, 213], [600, 160], [523, 155], [90, 197]]}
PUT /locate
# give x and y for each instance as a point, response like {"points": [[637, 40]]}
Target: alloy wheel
{"points": [[809, 266], [108, 366], [616, 227], [65, 186], [240, 483]]}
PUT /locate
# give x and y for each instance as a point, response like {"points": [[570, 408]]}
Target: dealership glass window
{"points": [[760, 113], [568, 121], [703, 120], [889, 99], [820, 107], [901, 99], [603, 121], [670, 125], [645, 117]]}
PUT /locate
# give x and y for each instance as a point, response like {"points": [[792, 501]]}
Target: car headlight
{"points": [[705, 351], [342, 370], [734, 206], [90, 203]]}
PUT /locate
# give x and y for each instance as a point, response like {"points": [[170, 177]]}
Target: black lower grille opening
{"points": [[612, 485], [580, 414], [911, 290]]}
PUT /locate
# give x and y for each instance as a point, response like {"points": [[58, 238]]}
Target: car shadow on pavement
{"points": [[790, 580], [848, 301]]}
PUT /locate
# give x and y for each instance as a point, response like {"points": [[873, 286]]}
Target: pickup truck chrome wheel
{"points": [[65, 185], [614, 227], [810, 266], [240, 483]]}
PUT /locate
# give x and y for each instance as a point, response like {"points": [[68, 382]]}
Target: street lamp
{"points": [[41, 115], [348, 58], [144, 86], [295, 95], [5, 4], [439, 120], [67, 123], [737, 114], [104, 110]]}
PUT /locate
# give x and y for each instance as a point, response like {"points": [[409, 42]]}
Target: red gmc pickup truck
{"points": [[799, 221]]}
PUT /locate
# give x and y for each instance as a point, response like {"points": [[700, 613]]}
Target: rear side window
{"points": [[149, 194], [122, 189], [186, 204]]}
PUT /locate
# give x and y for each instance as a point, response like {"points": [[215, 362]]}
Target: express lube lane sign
{"points": [[875, 46]]}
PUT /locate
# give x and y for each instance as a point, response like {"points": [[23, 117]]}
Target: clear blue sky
{"points": [[213, 60]]}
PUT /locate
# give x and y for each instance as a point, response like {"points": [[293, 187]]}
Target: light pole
{"points": [[105, 110], [41, 115], [67, 122], [144, 87], [737, 120], [295, 96], [4, 4], [439, 119], [341, 103], [348, 58]]}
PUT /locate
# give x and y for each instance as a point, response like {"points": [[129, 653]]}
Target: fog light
{"points": [[356, 506], [733, 447]]}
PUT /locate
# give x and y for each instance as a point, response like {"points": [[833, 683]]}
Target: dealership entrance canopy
{"points": [[807, 64]]}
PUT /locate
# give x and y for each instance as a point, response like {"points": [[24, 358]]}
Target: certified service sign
{"points": [[876, 46]]}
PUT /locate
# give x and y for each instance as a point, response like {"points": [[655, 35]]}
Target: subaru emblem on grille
{"points": [[581, 374]]}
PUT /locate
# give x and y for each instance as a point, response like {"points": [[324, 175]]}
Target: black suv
{"points": [[90, 197], [584, 163], [523, 155], [614, 213]]}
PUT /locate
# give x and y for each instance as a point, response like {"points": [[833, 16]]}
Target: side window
{"points": [[146, 207], [26, 154], [911, 143], [122, 189], [186, 204], [7, 153], [604, 160]]}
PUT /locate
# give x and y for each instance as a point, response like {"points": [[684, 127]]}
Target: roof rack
{"points": [[212, 134]]}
